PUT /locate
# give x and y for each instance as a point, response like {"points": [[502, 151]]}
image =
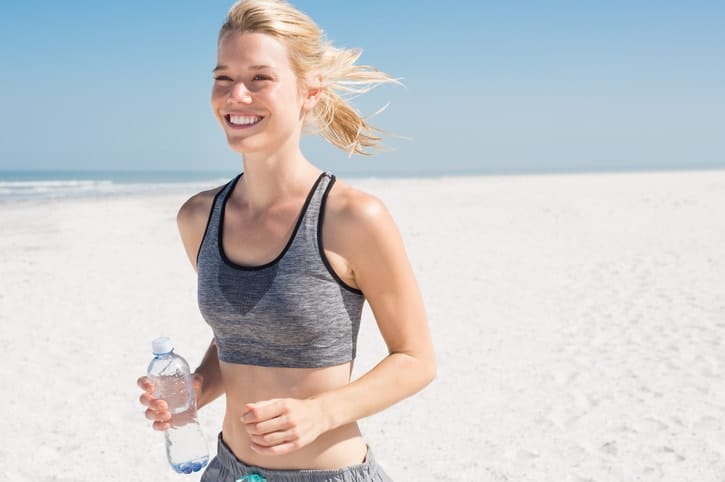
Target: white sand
{"points": [[578, 321]]}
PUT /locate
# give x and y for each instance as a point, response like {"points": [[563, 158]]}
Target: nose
{"points": [[240, 93]]}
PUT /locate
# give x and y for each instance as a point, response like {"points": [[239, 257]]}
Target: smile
{"points": [[236, 120]]}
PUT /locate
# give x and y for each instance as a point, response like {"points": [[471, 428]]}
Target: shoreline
{"points": [[83, 188]]}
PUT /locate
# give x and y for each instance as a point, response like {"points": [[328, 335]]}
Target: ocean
{"points": [[50, 185], [56, 185], [70, 184], [18, 186]]}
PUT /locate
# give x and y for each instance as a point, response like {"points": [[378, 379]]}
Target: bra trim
{"points": [[208, 220], [320, 247], [220, 229]]}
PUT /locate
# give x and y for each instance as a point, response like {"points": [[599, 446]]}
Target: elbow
{"points": [[416, 369], [430, 371], [427, 370]]}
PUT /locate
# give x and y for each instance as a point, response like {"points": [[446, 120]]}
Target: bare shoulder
{"points": [[192, 219], [360, 232], [376, 263], [356, 212], [196, 208]]}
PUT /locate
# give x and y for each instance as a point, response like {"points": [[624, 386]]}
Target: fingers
{"points": [[280, 449], [162, 420], [281, 426], [275, 438], [157, 409], [260, 411], [266, 417], [161, 426], [157, 416], [148, 400], [145, 384], [283, 422], [154, 404]]}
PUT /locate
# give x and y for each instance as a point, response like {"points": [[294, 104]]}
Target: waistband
{"points": [[353, 473]]}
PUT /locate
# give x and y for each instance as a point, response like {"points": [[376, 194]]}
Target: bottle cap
{"points": [[162, 345]]}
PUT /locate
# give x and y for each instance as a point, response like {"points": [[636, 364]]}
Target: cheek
{"points": [[219, 93], [291, 94], [215, 95]]}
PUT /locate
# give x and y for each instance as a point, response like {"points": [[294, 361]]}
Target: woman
{"points": [[286, 255]]}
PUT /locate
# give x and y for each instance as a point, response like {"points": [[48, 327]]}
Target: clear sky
{"points": [[490, 86]]}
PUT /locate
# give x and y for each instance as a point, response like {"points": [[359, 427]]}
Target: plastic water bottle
{"points": [[186, 446]]}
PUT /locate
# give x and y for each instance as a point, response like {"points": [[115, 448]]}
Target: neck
{"points": [[270, 178]]}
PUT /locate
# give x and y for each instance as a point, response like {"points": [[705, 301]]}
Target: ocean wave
{"points": [[82, 188]]}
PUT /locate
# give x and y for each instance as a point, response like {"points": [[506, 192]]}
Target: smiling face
{"points": [[256, 95]]}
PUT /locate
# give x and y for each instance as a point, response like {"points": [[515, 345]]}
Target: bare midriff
{"points": [[337, 448]]}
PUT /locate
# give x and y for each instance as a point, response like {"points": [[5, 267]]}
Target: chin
{"points": [[243, 146]]}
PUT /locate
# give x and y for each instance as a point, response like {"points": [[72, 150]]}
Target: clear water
{"points": [[186, 448], [173, 389], [192, 466]]}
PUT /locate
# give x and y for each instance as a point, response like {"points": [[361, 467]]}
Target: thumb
{"points": [[197, 382], [260, 404]]}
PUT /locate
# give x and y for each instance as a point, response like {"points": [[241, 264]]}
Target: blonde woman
{"points": [[286, 256]]}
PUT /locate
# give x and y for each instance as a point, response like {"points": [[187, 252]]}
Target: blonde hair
{"points": [[310, 52]]}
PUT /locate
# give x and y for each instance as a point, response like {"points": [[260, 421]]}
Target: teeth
{"points": [[242, 120]]}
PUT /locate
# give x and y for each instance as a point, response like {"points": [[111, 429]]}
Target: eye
{"points": [[261, 77], [222, 78]]}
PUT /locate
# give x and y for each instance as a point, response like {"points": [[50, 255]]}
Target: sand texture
{"points": [[579, 323]]}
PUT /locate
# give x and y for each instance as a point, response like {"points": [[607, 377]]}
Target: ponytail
{"points": [[337, 121]]}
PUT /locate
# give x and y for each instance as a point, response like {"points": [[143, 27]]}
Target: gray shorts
{"points": [[226, 467]]}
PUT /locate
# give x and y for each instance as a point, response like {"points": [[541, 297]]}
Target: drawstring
{"points": [[251, 478]]}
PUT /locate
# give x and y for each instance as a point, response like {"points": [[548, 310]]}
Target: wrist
{"points": [[328, 415]]}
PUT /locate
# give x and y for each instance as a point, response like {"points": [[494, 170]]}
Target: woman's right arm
{"points": [[209, 376], [191, 220]]}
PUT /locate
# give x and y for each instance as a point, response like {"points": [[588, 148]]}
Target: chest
{"points": [[290, 313], [249, 240]]}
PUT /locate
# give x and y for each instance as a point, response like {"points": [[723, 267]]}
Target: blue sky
{"points": [[490, 86]]}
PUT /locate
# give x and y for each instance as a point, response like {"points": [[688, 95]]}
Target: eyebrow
{"points": [[251, 67]]}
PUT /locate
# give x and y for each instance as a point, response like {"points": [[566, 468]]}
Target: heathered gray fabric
{"points": [[226, 467], [292, 312]]}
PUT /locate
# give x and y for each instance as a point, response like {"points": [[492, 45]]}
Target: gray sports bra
{"points": [[291, 312]]}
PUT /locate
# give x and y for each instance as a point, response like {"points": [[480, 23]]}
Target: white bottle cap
{"points": [[162, 345]]}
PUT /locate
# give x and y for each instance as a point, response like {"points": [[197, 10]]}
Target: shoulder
{"points": [[367, 238], [358, 222], [192, 219], [356, 210], [197, 208]]}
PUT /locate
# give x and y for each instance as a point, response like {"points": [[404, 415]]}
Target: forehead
{"points": [[251, 48]]}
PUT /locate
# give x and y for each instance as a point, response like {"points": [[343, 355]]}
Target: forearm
{"points": [[212, 386], [395, 378]]}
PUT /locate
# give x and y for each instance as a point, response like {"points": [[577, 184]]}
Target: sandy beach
{"points": [[579, 323]]}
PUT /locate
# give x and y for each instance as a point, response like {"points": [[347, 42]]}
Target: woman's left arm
{"points": [[374, 249], [382, 271]]}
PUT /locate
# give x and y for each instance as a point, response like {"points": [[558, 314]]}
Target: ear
{"points": [[313, 93]]}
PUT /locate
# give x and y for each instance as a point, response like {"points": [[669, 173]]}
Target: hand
{"points": [[157, 409], [281, 426]]}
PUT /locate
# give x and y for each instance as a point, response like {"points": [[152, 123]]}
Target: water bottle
{"points": [[186, 446]]}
